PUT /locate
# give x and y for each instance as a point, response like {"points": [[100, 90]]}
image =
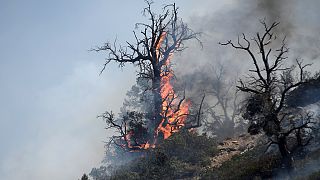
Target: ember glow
{"points": [[135, 147]]}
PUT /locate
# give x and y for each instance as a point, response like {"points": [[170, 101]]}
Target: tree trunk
{"points": [[157, 106], [287, 160], [228, 124]]}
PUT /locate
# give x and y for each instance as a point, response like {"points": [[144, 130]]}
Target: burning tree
{"points": [[155, 43], [268, 86]]}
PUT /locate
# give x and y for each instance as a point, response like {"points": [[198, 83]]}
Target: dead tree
{"points": [[268, 89], [155, 42], [130, 132], [224, 110]]}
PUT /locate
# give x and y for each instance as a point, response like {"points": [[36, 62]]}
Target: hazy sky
{"points": [[50, 88]]}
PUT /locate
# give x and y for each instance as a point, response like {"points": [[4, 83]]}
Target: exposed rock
{"points": [[231, 147]]}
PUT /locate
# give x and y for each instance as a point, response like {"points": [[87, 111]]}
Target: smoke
{"points": [[299, 22]]}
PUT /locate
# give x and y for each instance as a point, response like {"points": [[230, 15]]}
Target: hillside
{"points": [[242, 157], [306, 94]]}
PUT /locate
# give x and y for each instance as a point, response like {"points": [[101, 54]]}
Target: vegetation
{"points": [[155, 43], [249, 165], [183, 155], [84, 177], [314, 176], [154, 137], [268, 86]]}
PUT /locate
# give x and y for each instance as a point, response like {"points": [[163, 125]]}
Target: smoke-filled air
{"points": [[166, 90]]}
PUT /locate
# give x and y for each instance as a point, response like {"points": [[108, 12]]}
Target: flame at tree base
{"points": [[174, 110]]}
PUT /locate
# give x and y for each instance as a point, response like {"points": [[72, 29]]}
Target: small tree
{"points": [[84, 177], [99, 173], [268, 86]]}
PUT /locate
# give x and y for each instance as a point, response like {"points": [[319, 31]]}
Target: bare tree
{"points": [[223, 107], [268, 85], [130, 134], [155, 42]]}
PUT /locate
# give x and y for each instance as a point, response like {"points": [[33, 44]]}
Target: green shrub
{"points": [[128, 175], [314, 176], [180, 156], [190, 147], [249, 165]]}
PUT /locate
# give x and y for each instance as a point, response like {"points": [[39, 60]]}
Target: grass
{"points": [[249, 165]]}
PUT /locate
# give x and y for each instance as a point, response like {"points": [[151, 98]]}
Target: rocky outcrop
{"points": [[231, 147]]}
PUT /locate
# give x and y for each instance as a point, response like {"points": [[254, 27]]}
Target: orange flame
{"points": [[139, 147], [174, 111]]}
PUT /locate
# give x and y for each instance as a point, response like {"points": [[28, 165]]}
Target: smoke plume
{"points": [[299, 22]]}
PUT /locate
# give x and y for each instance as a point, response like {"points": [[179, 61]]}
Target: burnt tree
{"points": [[268, 85], [155, 42]]}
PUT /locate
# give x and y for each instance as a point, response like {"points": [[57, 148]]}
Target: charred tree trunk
{"points": [[299, 138], [228, 123], [157, 109], [287, 160], [270, 83]]}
